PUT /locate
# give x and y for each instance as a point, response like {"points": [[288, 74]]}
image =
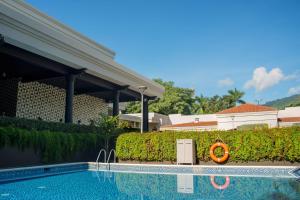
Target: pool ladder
{"points": [[99, 154], [106, 160]]}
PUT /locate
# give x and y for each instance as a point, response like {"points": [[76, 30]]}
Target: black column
{"points": [[9, 96], [145, 115], [116, 103], [70, 80]]}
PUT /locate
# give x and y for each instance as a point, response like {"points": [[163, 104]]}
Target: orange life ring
{"points": [[220, 187], [215, 158]]}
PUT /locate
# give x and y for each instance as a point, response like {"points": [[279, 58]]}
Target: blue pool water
{"points": [[115, 185]]}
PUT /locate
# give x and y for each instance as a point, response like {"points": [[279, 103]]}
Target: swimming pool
{"points": [[91, 184]]}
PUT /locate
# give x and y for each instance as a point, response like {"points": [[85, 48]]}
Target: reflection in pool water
{"points": [[220, 187], [109, 185], [164, 186]]}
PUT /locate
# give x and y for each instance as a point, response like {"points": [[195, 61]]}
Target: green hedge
{"points": [[32, 124], [251, 145], [52, 146], [247, 127]]}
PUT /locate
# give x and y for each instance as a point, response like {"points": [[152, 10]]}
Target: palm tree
{"points": [[215, 104], [234, 97], [201, 105]]}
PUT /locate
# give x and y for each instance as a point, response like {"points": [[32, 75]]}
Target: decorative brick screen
{"points": [[39, 100]]}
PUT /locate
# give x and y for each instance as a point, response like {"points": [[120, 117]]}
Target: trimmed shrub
{"points": [[31, 124], [296, 124], [52, 146], [252, 126], [248, 145]]}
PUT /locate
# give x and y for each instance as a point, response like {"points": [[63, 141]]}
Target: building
{"points": [[247, 114], [289, 116], [232, 118], [155, 120], [192, 126], [51, 72]]}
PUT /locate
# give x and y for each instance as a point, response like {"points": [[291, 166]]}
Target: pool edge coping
{"points": [[147, 165], [192, 166], [42, 166]]}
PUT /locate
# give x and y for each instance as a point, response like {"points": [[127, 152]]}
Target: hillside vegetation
{"points": [[285, 102]]}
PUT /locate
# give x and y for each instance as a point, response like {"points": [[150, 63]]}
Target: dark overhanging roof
{"points": [[20, 63], [25, 27]]}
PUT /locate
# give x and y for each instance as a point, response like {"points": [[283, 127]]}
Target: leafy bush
{"points": [[296, 124], [52, 146], [252, 126], [251, 145], [104, 125], [31, 124]]}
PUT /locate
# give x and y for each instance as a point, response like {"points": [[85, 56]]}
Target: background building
{"points": [[156, 120], [247, 114], [233, 118]]}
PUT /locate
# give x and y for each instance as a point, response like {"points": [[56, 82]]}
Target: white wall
{"points": [[179, 119], [190, 128], [233, 120], [289, 112], [288, 124], [156, 120], [161, 120]]}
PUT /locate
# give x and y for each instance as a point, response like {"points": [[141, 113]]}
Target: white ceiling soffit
{"points": [[27, 28]]}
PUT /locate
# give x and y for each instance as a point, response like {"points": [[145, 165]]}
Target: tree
{"points": [[201, 105], [217, 103], [108, 125], [178, 100], [175, 100], [234, 97]]}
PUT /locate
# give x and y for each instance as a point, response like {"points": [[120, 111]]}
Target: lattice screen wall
{"points": [[39, 100], [87, 107]]}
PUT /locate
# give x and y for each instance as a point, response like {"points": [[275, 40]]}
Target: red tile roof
{"points": [[190, 124], [247, 107], [289, 119]]}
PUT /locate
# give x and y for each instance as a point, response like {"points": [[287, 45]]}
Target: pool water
{"points": [[117, 185]]}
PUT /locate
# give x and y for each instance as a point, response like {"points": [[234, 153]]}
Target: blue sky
{"points": [[211, 46]]}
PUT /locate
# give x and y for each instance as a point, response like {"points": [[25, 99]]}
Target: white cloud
{"points": [[225, 82], [295, 75], [294, 90], [291, 77], [262, 79]]}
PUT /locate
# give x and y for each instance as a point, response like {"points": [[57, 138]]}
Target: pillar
{"points": [[116, 103], [70, 81], [145, 115]]}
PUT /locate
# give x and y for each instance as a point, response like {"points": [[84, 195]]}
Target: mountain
{"points": [[285, 102]]}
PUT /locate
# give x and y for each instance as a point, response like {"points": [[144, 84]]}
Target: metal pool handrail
{"points": [[110, 155], [99, 154]]}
